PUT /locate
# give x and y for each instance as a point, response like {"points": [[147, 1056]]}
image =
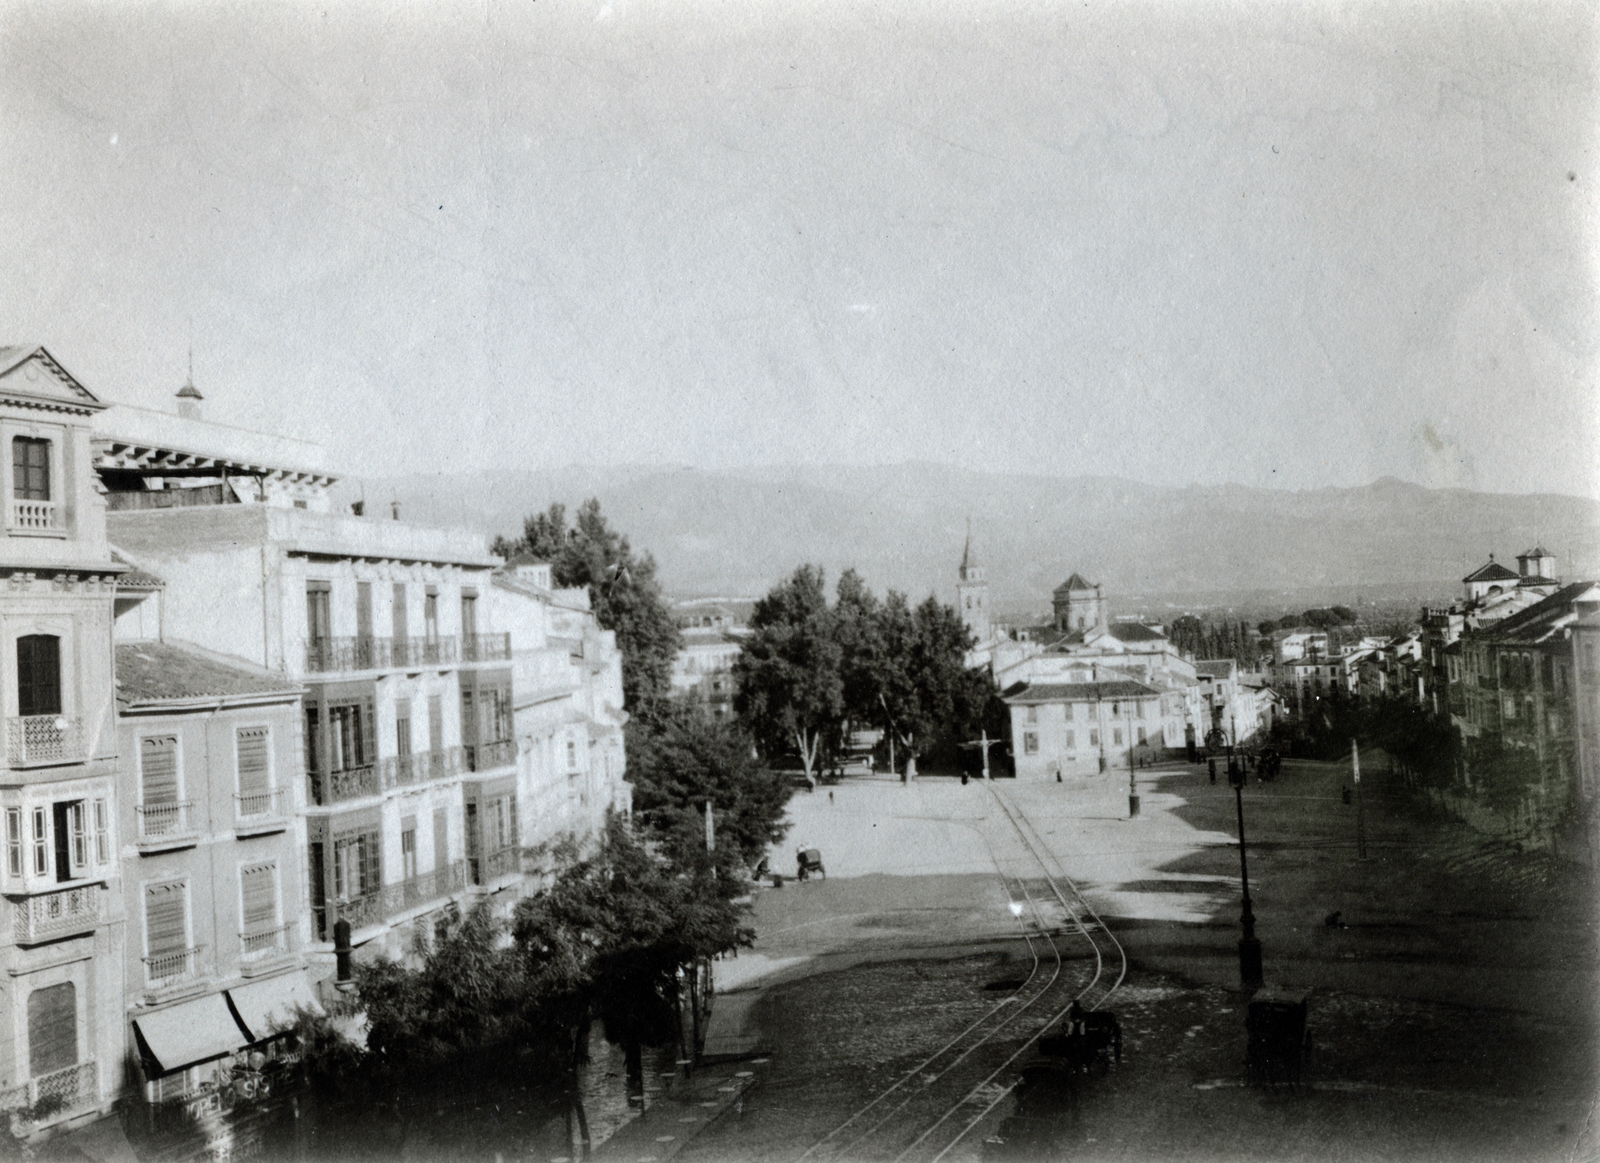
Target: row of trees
{"points": [[810, 673]]}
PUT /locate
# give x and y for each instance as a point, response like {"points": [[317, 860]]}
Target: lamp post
{"points": [[1133, 787], [1249, 946]]}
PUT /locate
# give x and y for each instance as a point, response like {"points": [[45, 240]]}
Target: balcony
{"points": [[414, 652], [35, 517], [350, 783], [52, 1097], [166, 825], [264, 944], [393, 899], [343, 654], [167, 968], [488, 756], [506, 862], [40, 740], [419, 767], [52, 916], [486, 647], [259, 811]]}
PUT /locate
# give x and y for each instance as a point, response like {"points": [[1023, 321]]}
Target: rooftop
{"points": [[1074, 583], [1543, 619], [1215, 667], [163, 672], [160, 443], [1494, 571], [1077, 692], [1135, 632]]}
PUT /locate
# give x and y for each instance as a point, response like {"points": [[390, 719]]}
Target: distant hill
{"points": [[731, 533]]}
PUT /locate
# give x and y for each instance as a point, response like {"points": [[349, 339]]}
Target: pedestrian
{"points": [[830, 795], [1211, 766]]}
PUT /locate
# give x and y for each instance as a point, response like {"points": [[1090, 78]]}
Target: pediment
{"points": [[31, 375]]}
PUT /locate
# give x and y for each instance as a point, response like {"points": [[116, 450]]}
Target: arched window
{"points": [[38, 675]]}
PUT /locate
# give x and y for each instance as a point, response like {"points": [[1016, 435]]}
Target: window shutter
{"points": [[252, 753], [52, 1029], [371, 878], [158, 769], [166, 928], [514, 840], [38, 675], [259, 888], [435, 723], [441, 838], [367, 745]]}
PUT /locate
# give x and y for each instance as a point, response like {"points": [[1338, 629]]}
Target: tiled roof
{"points": [[1534, 579], [1135, 632], [1075, 582], [1214, 668], [150, 672], [1077, 692], [1494, 571], [1539, 620]]}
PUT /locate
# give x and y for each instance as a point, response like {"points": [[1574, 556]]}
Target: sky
{"points": [[1275, 244]]}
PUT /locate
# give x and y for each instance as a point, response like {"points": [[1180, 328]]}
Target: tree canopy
{"points": [[623, 591]]}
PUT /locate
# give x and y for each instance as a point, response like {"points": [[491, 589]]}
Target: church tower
{"points": [[972, 593]]}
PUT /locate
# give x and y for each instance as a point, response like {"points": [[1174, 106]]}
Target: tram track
{"points": [[956, 1087]]}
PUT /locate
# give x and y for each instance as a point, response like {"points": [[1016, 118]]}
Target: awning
{"points": [[266, 1007], [194, 1031]]}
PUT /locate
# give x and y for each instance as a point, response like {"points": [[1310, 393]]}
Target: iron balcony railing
{"points": [[348, 783], [360, 652], [51, 916], [265, 943], [34, 516], [505, 862], [163, 968], [425, 651], [487, 756], [164, 821], [393, 899], [486, 647], [258, 805], [42, 739], [54, 1096], [419, 767]]}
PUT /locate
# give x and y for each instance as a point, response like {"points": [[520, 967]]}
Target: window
{"points": [[1030, 743], [258, 897], [441, 838], [30, 469], [41, 842], [14, 840], [78, 824], [52, 1029], [408, 848], [1116, 737], [469, 616], [402, 728], [38, 675], [166, 931], [1094, 738], [1033, 714], [102, 832], [503, 821], [349, 739], [398, 609], [1141, 735], [572, 755], [435, 723], [255, 783], [355, 866], [158, 785], [1071, 740], [364, 611], [319, 622], [430, 614]]}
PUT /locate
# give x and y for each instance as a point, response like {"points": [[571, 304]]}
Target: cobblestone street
{"points": [[1453, 1018]]}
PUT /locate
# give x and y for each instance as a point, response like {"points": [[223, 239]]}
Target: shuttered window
{"points": [[30, 468], [435, 723], [158, 770], [251, 746], [166, 920], [102, 832], [52, 1029], [38, 675], [258, 885], [356, 868], [41, 842], [441, 838], [14, 841]]}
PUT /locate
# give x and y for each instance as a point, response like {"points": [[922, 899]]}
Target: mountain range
{"points": [[736, 532]]}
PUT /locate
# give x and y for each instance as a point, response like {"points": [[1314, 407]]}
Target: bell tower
{"points": [[972, 592]]}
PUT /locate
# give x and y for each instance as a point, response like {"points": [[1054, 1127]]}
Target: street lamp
{"points": [[1249, 947], [1133, 788]]}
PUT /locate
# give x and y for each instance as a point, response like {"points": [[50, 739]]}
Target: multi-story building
{"points": [[1082, 728], [405, 734], [61, 1024], [212, 852], [713, 631]]}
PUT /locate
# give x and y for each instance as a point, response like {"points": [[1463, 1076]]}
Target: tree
{"points": [[623, 591], [685, 758], [926, 687], [858, 627], [789, 689]]}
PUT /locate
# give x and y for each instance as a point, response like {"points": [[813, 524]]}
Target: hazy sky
{"points": [[1293, 244]]}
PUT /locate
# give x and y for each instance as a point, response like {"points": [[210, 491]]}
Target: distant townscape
{"points": [[305, 799]]}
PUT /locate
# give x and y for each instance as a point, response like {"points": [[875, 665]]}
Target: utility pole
{"points": [[1361, 818]]}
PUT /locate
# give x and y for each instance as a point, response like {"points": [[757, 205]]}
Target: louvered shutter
{"points": [[259, 888], [252, 752], [38, 675], [514, 840], [371, 878], [158, 770], [166, 929], [441, 839], [367, 745], [52, 1029]]}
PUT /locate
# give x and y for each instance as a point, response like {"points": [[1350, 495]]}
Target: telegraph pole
{"points": [[1361, 817]]}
